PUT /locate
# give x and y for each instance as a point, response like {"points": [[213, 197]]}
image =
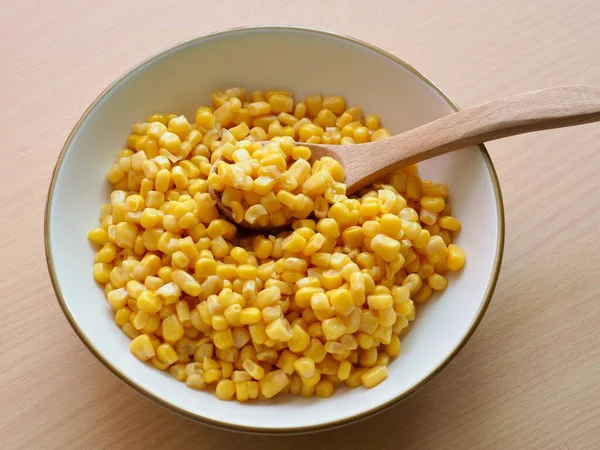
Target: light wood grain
{"points": [[528, 378]]}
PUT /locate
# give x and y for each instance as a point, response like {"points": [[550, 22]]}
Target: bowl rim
{"points": [[272, 430]]}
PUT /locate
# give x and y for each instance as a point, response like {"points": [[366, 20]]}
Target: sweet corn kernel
{"points": [[281, 102], [423, 294], [167, 354], [449, 223], [149, 302], [333, 328], [102, 272], [385, 247], [372, 377], [286, 361], [324, 389], [432, 189], [341, 300], [279, 330], [368, 357], [380, 301], [435, 204], [436, 250], [354, 380], [212, 376], [393, 348], [273, 383], [456, 257], [305, 367], [437, 282], [142, 347], [250, 316], [253, 389], [307, 390], [194, 381], [294, 243], [223, 339], [300, 339], [225, 390], [242, 391], [253, 369], [172, 329], [186, 282], [332, 279], [98, 236], [122, 316]]}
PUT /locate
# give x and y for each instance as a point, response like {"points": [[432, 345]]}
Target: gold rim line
{"points": [[270, 430]]}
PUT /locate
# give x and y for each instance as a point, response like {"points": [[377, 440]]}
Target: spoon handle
{"points": [[523, 113]]}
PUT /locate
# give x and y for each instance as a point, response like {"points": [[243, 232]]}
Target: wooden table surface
{"points": [[530, 375]]}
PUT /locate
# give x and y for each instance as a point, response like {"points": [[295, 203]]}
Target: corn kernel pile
{"points": [[253, 316]]}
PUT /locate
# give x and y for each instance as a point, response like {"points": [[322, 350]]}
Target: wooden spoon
{"points": [[532, 111]]}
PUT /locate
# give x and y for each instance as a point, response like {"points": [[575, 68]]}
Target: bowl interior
{"points": [[303, 61]]}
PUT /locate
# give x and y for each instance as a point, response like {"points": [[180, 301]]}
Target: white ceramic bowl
{"points": [[181, 78]]}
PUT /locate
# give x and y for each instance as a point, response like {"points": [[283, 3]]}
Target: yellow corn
{"points": [[279, 329], [142, 347], [98, 236], [435, 204], [423, 294], [372, 122], [273, 383], [380, 301], [223, 339], [374, 376], [385, 247], [450, 223], [436, 250], [253, 369], [149, 302], [122, 316], [167, 354], [253, 389], [432, 189], [250, 316], [333, 328], [368, 357], [324, 389], [305, 367], [300, 339], [286, 361], [294, 243], [437, 282], [225, 390], [456, 257], [255, 213], [172, 267], [341, 300], [172, 329], [281, 102], [186, 282]]}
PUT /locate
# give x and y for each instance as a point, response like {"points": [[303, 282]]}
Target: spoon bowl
{"points": [[317, 152]]}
